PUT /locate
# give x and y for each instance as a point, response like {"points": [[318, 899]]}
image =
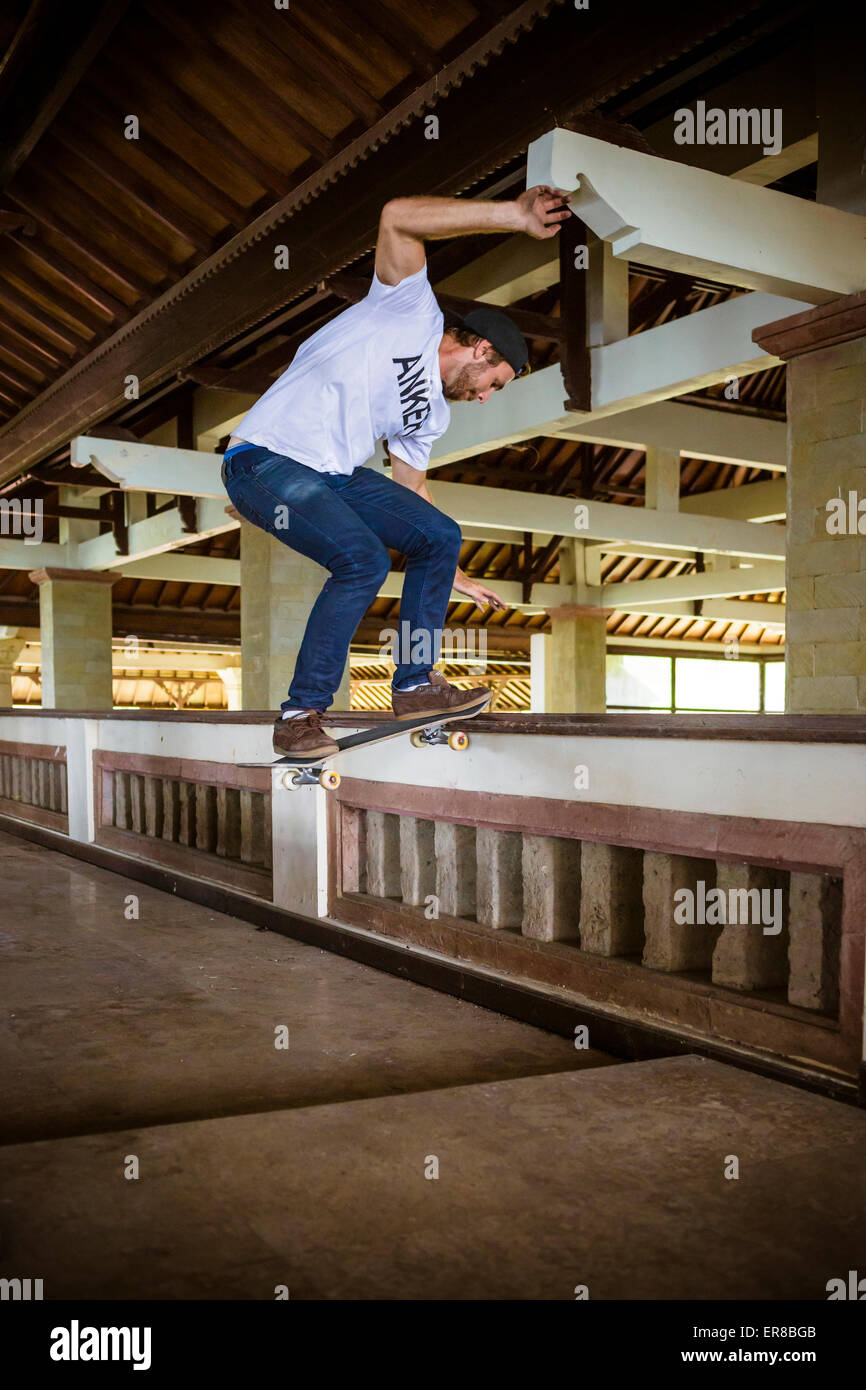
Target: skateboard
{"points": [[425, 731]]}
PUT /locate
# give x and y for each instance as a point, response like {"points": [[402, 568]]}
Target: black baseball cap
{"points": [[504, 335]]}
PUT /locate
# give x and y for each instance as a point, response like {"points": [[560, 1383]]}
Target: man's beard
{"points": [[465, 382]]}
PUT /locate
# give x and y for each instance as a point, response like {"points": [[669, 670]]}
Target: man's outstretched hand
{"points": [[480, 595], [544, 210]]}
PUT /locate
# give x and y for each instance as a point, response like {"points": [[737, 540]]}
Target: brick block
{"points": [[417, 860], [830, 555], [745, 957], [551, 888], [815, 924], [671, 944], [823, 694], [499, 877], [383, 855], [455, 868], [801, 659], [826, 624], [611, 900], [825, 421], [840, 659]]}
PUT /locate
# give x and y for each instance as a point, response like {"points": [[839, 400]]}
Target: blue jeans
{"points": [[347, 523]]}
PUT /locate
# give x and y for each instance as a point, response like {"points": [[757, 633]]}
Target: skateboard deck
{"points": [[307, 770]]}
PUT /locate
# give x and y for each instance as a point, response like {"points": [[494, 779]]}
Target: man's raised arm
{"points": [[406, 223]]}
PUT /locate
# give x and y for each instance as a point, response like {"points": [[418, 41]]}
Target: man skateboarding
{"points": [[382, 369]]}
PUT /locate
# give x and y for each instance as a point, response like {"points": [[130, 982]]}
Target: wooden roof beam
{"points": [[51, 52], [70, 274], [123, 176], [281, 30], [198, 45]]}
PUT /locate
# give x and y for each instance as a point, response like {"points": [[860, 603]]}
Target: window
{"points": [[639, 682], [682, 683]]}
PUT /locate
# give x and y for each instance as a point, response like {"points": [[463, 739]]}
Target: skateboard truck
{"points": [[427, 738], [312, 777]]}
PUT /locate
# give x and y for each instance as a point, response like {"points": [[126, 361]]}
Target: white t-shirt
{"points": [[371, 373]]}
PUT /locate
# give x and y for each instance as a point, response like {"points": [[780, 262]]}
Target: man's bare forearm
{"points": [[432, 218]]}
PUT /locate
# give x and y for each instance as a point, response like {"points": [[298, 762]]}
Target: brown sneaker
{"points": [[302, 736], [439, 697]]}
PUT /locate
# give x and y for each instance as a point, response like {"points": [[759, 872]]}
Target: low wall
{"points": [[566, 853]]}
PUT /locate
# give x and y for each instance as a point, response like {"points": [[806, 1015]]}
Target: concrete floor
{"points": [[306, 1167]]}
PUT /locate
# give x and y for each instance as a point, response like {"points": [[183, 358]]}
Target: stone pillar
{"points": [[669, 944], [455, 868], [75, 632], [500, 877], [383, 855], [816, 938], [825, 349], [551, 888], [745, 956], [574, 677], [11, 648], [278, 590], [417, 860], [611, 901]]}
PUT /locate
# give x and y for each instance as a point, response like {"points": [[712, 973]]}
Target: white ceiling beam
{"points": [[152, 467], [772, 167], [758, 579], [535, 406], [717, 610], [698, 350], [18, 555], [154, 536], [719, 435], [516, 268], [765, 501], [542, 595], [498, 509], [185, 569], [691, 221]]}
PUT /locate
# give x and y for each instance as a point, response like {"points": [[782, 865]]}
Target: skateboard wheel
{"points": [[417, 739], [289, 779], [329, 780], [458, 741]]}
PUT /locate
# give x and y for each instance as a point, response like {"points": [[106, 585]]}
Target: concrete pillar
{"points": [[278, 590], [230, 673], [662, 479], [75, 633], [745, 957], [499, 877], [417, 860], [551, 888], [383, 855], [611, 901], [11, 648], [455, 868], [815, 925], [539, 644], [574, 677], [672, 945], [826, 560]]}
